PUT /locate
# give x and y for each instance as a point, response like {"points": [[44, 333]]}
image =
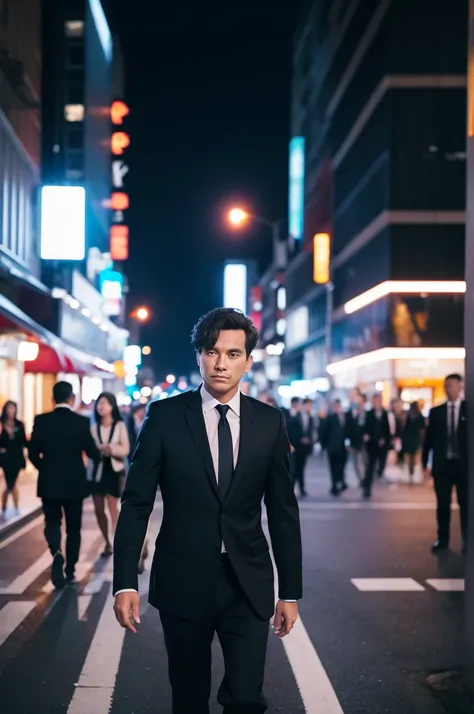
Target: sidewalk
{"points": [[29, 502]]}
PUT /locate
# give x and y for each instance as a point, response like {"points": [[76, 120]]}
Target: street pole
{"points": [[469, 345]]}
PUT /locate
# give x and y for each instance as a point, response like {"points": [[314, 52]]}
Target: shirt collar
{"points": [[63, 406], [209, 402], [457, 403]]}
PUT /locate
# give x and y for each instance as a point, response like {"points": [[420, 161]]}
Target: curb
{"points": [[19, 522]]}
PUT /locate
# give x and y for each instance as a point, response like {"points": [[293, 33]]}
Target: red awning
{"points": [[50, 361]]}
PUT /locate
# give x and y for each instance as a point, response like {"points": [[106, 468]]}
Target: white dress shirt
{"points": [[457, 411], [211, 421]]}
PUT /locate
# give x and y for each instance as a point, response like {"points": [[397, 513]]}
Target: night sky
{"points": [[209, 94]]}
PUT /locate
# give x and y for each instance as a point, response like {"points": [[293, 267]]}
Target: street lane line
{"points": [[83, 603], [95, 688], [12, 615], [19, 585], [314, 685], [387, 585], [26, 529], [447, 585]]}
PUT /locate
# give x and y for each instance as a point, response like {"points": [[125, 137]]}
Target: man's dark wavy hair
{"points": [[206, 331]]}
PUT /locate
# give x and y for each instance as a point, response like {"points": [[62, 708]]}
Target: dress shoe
{"points": [[57, 571], [439, 547]]}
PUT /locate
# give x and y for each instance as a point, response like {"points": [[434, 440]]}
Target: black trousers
{"points": [[376, 459], [52, 508], [243, 637], [452, 475], [337, 465], [299, 457]]}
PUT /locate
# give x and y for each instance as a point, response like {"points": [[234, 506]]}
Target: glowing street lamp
{"points": [[142, 314], [171, 379], [237, 216]]}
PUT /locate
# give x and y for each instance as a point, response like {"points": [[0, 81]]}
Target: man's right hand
{"points": [[427, 473], [127, 610]]}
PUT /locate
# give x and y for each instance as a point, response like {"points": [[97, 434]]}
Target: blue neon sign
{"points": [[296, 197]]}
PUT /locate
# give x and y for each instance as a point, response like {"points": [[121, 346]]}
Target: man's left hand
{"points": [[286, 614]]}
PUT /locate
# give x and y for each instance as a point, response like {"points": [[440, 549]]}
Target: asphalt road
{"points": [[379, 614]]}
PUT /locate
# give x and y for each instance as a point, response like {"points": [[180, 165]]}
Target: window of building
{"points": [[74, 112], [75, 92], [4, 12], [74, 28], [75, 162], [76, 54], [75, 138], [74, 174]]}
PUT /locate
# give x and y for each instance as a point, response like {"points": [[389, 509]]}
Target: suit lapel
{"points": [[195, 421], [246, 441]]}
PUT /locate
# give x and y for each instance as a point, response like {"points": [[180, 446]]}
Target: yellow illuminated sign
{"points": [[321, 258]]}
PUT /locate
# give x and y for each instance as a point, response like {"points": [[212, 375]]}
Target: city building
{"points": [[379, 112]]}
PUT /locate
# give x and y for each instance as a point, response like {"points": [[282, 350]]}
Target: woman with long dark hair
{"points": [[12, 456], [111, 437]]}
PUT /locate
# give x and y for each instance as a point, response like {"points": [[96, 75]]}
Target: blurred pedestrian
{"points": [[13, 444], [334, 442], [412, 438], [108, 475], [58, 441], [446, 441], [377, 439]]}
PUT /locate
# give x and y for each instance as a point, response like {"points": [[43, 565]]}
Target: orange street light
{"points": [[237, 216], [141, 314]]}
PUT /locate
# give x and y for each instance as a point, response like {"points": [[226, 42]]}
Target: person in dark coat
{"points": [[412, 437], [12, 453]]}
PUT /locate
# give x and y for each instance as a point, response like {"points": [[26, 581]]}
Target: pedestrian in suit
{"points": [[377, 438], [215, 454], [58, 442], [334, 441], [446, 440]]}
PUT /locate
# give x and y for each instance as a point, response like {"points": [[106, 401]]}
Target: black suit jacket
{"points": [[58, 441], [334, 434], [376, 432], [436, 438], [173, 453]]}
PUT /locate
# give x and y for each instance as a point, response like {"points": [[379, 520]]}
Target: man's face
{"points": [[308, 407], [453, 389], [337, 407], [377, 403], [223, 366]]}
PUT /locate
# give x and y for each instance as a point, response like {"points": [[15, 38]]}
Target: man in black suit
{"points": [[58, 442], [446, 439], [377, 437], [333, 439], [215, 454]]}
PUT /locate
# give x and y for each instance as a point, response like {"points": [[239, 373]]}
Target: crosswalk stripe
{"points": [[29, 527], [387, 585], [95, 688], [19, 585], [12, 615], [446, 585]]}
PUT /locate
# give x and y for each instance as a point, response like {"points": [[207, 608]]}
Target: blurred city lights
{"points": [[146, 391], [146, 350], [142, 314], [237, 216], [171, 379], [182, 385]]}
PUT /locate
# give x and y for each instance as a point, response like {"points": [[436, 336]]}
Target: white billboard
{"points": [[63, 223], [235, 286]]}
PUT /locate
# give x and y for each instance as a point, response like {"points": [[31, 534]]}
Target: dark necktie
{"points": [[226, 451], [453, 447]]}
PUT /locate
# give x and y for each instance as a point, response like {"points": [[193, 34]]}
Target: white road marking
{"points": [[83, 603], [13, 615], [29, 527], [19, 585], [95, 688], [446, 585], [311, 678], [387, 585]]}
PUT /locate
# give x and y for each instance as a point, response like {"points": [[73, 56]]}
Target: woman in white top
{"points": [[111, 436]]}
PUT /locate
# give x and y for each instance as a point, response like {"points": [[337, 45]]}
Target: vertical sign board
{"points": [[63, 223], [119, 201], [469, 344], [321, 258], [235, 286], [296, 187]]}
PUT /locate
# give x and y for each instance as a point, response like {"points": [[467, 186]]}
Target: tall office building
{"points": [[379, 104]]}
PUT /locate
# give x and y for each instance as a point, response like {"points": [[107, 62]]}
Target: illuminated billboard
{"points": [[296, 183], [111, 288], [235, 286], [97, 130], [63, 223]]}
